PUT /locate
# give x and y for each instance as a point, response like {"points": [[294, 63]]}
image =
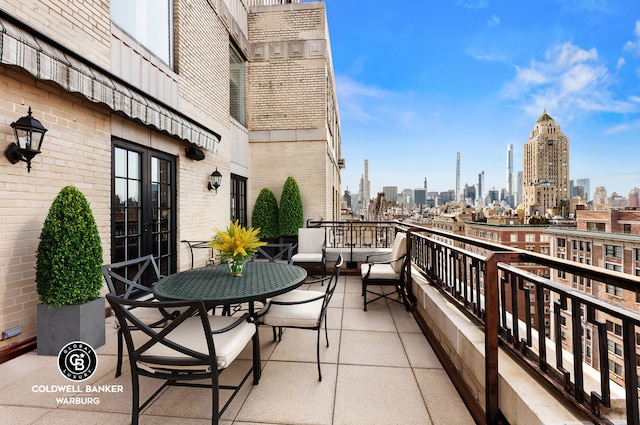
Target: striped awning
{"points": [[47, 62]]}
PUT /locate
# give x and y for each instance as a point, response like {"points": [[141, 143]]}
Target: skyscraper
{"points": [[585, 185], [364, 190], [457, 177], [545, 163], [480, 191], [519, 188], [509, 180]]}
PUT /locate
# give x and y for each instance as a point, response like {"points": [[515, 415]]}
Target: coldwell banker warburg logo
{"points": [[77, 361]]}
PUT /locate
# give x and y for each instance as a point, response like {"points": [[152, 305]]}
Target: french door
{"points": [[143, 213]]}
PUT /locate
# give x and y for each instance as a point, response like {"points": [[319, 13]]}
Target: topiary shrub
{"points": [[69, 256], [290, 214], [265, 214]]}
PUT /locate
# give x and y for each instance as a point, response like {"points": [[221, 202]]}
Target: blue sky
{"points": [[419, 81]]}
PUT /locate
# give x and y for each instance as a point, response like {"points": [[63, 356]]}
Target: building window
{"points": [[530, 237], [637, 254], [562, 242], [239, 199], [597, 227], [236, 86], [514, 238], [149, 22], [614, 347], [613, 251], [544, 238], [615, 367], [627, 228], [614, 290], [588, 351], [614, 328], [614, 267]]}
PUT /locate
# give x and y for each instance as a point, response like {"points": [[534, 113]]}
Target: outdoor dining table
{"points": [[216, 287]]}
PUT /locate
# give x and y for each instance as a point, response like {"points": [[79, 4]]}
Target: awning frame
{"points": [[45, 59]]}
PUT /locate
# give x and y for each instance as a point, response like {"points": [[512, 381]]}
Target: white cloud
{"points": [[569, 79], [354, 98], [633, 46], [621, 62], [473, 4], [493, 21]]}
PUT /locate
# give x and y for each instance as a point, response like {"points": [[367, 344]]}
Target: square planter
{"points": [[58, 326]]}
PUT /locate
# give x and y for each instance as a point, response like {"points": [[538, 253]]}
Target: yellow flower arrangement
{"points": [[236, 244]]}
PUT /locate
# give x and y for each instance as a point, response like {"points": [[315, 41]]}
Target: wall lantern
{"points": [[214, 180], [29, 134]]}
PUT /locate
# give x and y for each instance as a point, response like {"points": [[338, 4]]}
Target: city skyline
{"points": [[473, 77]]}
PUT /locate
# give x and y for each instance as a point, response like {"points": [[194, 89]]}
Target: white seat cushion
{"points": [[304, 257], [379, 271], [302, 315], [399, 250], [190, 334], [311, 239]]}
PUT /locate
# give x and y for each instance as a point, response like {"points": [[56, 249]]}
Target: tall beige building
{"points": [[545, 163], [293, 119]]}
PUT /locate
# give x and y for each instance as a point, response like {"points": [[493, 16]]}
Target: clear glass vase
{"points": [[236, 267]]}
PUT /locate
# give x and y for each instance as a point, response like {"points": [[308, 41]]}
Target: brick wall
{"points": [[83, 25], [289, 96], [76, 151]]}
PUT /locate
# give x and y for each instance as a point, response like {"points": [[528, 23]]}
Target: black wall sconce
{"points": [[194, 153], [214, 180], [29, 133]]}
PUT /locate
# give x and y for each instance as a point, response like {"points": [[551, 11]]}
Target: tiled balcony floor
{"points": [[379, 369]]}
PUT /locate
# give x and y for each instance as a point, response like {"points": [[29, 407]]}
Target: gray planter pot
{"points": [[58, 326]]}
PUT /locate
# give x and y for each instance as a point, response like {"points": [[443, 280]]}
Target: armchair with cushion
{"points": [[312, 249], [272, 252], [386, 273], [133, 280], [302, 309], [190, 346]]}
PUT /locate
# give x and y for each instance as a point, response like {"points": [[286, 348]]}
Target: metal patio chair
{"points": [[189, 347], [386, 273], [301, 309]]}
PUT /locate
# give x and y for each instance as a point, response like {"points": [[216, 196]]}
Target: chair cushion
{"points": [[304, 257], [146, 315], [310, 240], [298, 315], [399, 250], [190, 334], [379, 272]]}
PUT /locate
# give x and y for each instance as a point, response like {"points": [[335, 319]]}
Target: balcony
{"points": [[481, 361], [378, 369]]}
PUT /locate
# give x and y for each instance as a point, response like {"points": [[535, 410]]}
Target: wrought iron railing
{"points": [[357, 234], [518, 308]]}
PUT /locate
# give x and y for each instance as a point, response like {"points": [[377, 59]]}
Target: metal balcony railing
{"points": [[541, 322]]}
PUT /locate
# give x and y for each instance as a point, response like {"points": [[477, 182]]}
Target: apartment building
{"points": [[545, 166], [608, 239], [142, 105], [508, 232]]}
